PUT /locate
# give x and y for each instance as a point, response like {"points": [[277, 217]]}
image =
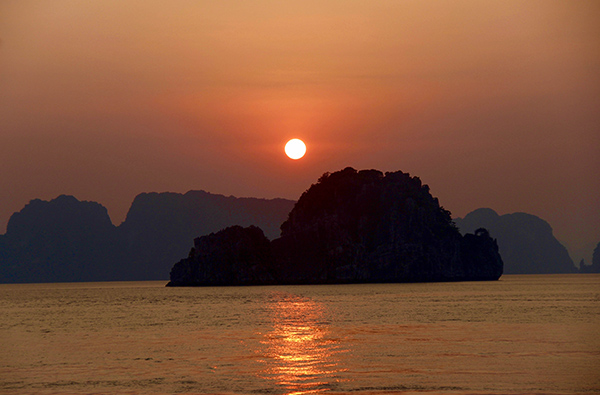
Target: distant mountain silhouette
{"points": [[350, 227], [595, 266], [70, 240], [526, 242], [60, 240], [159, 227]]}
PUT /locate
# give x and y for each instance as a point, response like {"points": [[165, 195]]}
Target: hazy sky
{"points": [[492, 103]]}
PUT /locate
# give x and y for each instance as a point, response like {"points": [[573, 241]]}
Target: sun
{"points": [[295, 149]]}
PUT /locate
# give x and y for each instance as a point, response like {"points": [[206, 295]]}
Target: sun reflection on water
{"points": [[299, 353]]}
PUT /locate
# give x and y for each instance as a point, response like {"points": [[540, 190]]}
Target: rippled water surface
{"points": [[522, 334]]}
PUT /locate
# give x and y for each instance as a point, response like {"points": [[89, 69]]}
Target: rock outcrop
{"points": [[594, 267], [233, 256], [525, 241], [360, 226]]}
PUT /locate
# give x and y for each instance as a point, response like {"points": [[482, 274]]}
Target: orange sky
{"points": [[492, 103]]}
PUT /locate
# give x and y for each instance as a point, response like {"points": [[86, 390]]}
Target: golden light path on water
{"points": [[521, 335], [300, 353]]}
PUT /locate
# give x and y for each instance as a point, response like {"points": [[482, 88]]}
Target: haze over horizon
{"points": [[492, 104]]}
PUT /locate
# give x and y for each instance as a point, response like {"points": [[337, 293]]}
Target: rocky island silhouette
{"points": [[350, 227]]}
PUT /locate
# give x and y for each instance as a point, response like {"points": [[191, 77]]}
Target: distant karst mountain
{"points": [[60, 240], [350, 227], [159, 227], [526, 242], [70, 240]]}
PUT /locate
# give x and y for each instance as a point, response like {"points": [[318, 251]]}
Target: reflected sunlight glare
{"points": [[299, 353]]}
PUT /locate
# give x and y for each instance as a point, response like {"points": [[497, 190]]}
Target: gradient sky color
{"points": [[492, 103]]}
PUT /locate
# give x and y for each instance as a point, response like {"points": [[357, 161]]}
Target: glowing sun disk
{"points": [[295, 148]]}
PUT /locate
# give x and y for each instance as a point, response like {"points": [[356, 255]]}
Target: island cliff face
{"points": [[350, 227]]}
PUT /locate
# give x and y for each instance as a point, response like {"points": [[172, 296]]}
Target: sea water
{"points": [[529, 334]]}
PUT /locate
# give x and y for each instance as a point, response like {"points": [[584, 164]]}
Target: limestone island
{"points": [[350, 227]]}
